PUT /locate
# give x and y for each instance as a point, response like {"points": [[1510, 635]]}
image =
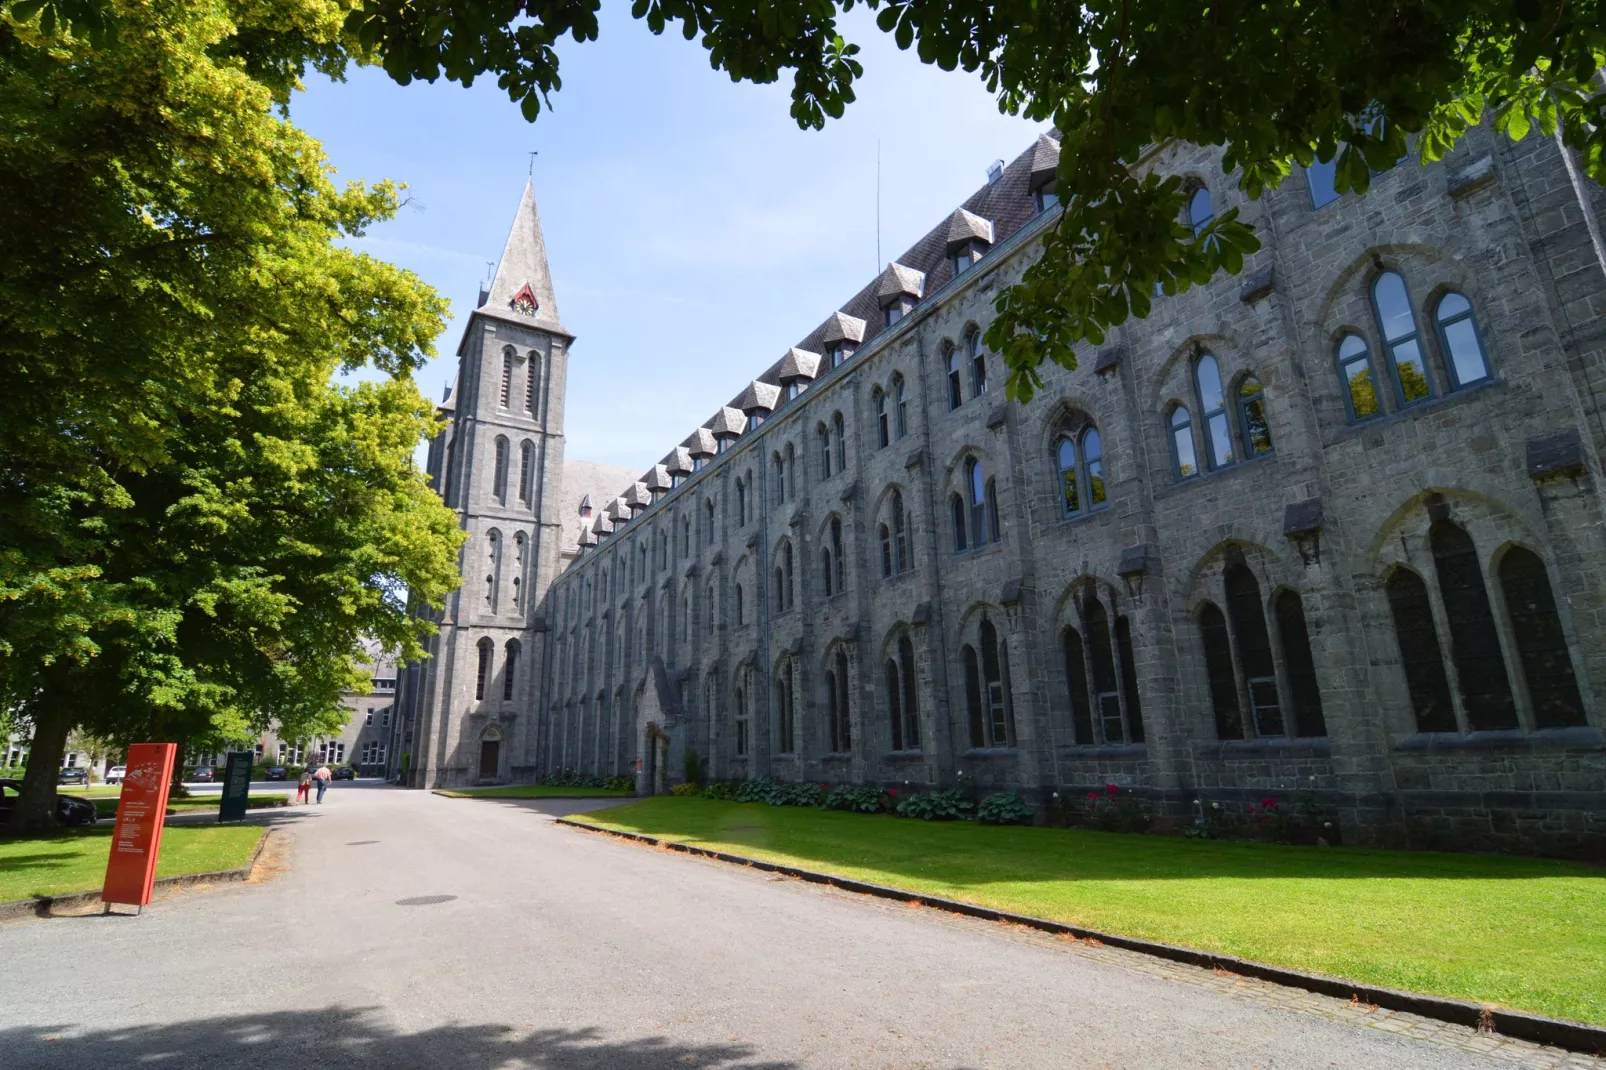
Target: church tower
{"points": [[499, 464]]}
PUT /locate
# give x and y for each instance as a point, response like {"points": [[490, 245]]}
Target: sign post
{"points": [[236, 786], [137, 836]]}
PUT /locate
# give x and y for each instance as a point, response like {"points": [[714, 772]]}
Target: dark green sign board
{"points": [[236, 786]]}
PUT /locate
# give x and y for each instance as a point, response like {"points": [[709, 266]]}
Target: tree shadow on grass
{"points": [[359, 1037]]}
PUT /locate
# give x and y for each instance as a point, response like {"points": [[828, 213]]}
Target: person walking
{"points": [[322, 776], [303, 786]]}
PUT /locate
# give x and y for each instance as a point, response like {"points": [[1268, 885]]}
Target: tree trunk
{"points": [[36, 809]]}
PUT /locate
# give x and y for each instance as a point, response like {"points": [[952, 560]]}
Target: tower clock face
{"points": [[524, 301]]}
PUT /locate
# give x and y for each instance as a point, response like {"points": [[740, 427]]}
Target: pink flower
{"points": [[1093, 795], [892, 792], [1111, 789], [1251, 808]]}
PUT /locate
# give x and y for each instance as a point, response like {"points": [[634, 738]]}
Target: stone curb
{"points": [[1555, 1032], [43, 905]]}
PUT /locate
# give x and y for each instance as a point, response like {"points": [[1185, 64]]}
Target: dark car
{"points": [[73, 775], [203, 774], [345, 772], [70, 810], [277, 772]]}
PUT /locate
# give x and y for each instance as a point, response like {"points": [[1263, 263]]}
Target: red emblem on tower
{"points": [[524, 301]]}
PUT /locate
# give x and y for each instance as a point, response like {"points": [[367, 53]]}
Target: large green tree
{"points": [[197, 528]]}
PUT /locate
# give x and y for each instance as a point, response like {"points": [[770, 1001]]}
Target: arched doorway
{"points": [[490, 752]]}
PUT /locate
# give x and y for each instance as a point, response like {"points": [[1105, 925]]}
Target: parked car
{"points": [[70, 810], [276, 772], [203, 775], [73, 775], [115, 774], [345, 772]]}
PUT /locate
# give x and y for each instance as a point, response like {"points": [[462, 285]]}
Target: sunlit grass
{"points": [[74, 860]]}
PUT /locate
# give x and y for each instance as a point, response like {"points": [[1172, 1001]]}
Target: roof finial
{"points": [[533, 154]]}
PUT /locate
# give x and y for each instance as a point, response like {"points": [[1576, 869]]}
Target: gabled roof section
{"points": [[758, 397], [1045, 160], [799, 364], [657, 478], [966, 226], [619, 511], [522, 290], [701, 443], [840, 327], [728, 421], [897, 281], [678, 462], [637, 496]]}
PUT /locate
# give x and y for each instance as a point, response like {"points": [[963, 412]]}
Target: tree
{"points": [[197, 529]]}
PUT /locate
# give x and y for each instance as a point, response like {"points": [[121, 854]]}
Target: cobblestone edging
{"points": [[42, 906], [1554, 1032]]}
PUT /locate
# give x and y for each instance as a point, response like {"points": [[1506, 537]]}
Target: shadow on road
{"points": [[342, 1036]]}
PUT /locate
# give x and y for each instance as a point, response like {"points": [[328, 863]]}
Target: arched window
{"points": [[1255, 660], [1474, 641], [1420, 654], [708, 519], [484, 672], [531, 370], [954, 397], [900, 534], [785, 724], [983, 504], [1218, 431], [836, 554], [883, 427], [839, 429], [1541, 644], [900, 395], [1081, 472], [827, 572], [510, 668], [836, 683], [685, 536], [741, 617], [1129, 679], [1182, 455], [499, 475], [1201, 210], [493, 568], [1402, 343], [1219, 671], [894, 684], [824, 439], [519, 546], [1305, 690], [741, 502], [886, 550], [526, 469], [1460, 341], [911, 700], [956, 506], [740, 706], [708, 604], [973, 697], [778, 491], [1106, 691], [1355, 377], [978, 365], [1076, 680], [1000, 717], [791, 472], [1252, 417], [507, 377]]}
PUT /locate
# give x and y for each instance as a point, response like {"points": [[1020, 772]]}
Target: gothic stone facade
{"points": [[1332, 525]]}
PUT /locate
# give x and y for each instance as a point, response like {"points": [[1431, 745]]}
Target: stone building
{"points": [[1331, 525]]}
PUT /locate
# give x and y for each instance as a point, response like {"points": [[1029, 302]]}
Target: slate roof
{"points": [[966, 226], [523, 264], [678, 460], [582, 481], [798, 364], [898, 280], [728, 421], [841, 327], [758, 395]]}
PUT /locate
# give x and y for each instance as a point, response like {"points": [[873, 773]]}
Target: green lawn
{"points": [[534, 791], [108, 807], [99, 791], [74, 860], [1524, 933]]}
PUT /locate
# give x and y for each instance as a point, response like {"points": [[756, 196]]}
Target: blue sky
{"points": [[694, 232]]}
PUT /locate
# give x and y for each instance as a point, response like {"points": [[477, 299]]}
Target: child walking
{"points": [[303, 787]]}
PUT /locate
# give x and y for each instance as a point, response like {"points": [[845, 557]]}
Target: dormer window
{"points": [[725, 444], [755, 418], [839, 352], [793, 389], [677, 479], [1045, 197], [895, 310], [698, 463]]}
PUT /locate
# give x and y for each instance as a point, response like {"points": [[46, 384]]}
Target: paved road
{"points": [[411, 930]]}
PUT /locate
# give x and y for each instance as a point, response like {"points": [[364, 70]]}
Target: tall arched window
{"points": [[499, 474], [1212, 403], [493, 568], [900, 396], [1474, 641], [526, 469], [973, 696], [1460, 341], [520, 544], [484, 672], [885, 534], [883, 426], [841, 714], [1076, 680], [1106, 689], [839, 431], [1252, 417], [778, 489], [785, 722], [911, 699], [741, 614], [827, 571], [708, 519], [900, 534], [1000, 717], [740, 706], [894, 686], [1355, 377], [741, 502], [708, 606], [954, 396], [1403, 344], [1183, 460], [1201, 210], [507, 377], [956, 507], [1081, 472], [1129, 679], [1547, 667], [1219, 671], [978, 365], [824, 439], [1420, 654], [531, 371], [983, 504], [510, 669], [1255, 660], [1305, 690], [836, 554], [791, 472]]}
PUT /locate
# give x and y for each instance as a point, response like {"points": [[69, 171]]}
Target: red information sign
{"points": [[138, 834]]}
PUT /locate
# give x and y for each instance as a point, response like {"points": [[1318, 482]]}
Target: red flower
{"points": [[1251, 808], [1111, 789], [1093, 795], [1269, 803], [892, 792]]}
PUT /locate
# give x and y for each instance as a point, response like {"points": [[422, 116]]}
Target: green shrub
{"points": [[807, 793], [1003, 808], [756, 790], [688, 788], [722, 790], [946, 805], [858, 800]]}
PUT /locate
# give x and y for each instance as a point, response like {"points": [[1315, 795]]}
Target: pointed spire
{"points": [[522, 288]]}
